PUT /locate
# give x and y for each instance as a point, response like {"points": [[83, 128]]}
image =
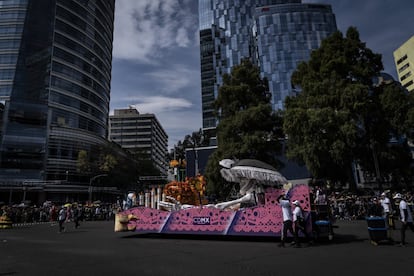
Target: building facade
{"points": [[274, 34], [404, 62], [55, 73], [286, 35], [141, 134]]}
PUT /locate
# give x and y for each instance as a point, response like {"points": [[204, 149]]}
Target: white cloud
{"points": [[172, 80], [182, 38], [144, 29], [155, 45], [161, 104]]}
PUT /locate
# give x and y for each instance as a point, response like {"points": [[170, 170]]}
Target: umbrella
{"points": [[253, 169]]}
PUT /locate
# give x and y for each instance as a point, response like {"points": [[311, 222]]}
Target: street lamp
{"points": [[90, 184]]}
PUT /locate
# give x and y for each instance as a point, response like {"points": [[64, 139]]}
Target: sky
{"points": [[156, 62]]}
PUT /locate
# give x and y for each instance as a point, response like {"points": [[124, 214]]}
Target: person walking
{"points": [[53, 215], [299, 223], [287, 220], [76, 215], [62, 218], [387, 210], [406, 217], [375, 209]]}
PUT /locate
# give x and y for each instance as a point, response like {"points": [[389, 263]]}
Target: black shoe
{"points": [[296, 246], [281, 245]]}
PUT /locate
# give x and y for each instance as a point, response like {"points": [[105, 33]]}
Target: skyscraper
{"points": [[404, 62], [55, 73], [286, 35], [275, 34]]}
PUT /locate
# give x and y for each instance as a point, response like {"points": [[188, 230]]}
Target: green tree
{"points": [[393, 159], [83, 164], [120, 166], [340, 116], [196, 139], [107, 162], [247, 126]]}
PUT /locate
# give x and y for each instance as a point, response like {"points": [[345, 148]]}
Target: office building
{"points": [[404, 62], [286, 35], [55, 73], [276, 35], [141, 134]]}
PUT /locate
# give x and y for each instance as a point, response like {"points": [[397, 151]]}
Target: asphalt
{"points": [[95, 249]]}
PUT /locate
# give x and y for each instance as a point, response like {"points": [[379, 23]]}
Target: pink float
{"points": [[263, 219]]}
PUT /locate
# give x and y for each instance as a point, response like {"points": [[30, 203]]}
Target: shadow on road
{"points": [[204, 237], [338, 239]]}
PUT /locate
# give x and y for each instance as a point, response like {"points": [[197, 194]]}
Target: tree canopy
{"points": [[247, 126], [341, 116], [196, 139]]}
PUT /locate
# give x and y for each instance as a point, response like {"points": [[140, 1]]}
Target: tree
{"points": [[196, 139], [83, 164], [107, 162], [394, 158], [119, 166], [340, 116], [247, 126]]}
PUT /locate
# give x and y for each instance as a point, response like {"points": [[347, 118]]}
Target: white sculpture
{"points": [[251, 174], [249, 189]]}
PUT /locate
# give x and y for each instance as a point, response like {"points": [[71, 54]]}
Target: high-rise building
{"points": [[286, 34], [55, 73], [404, 62], [275, 34], [141, 134]]}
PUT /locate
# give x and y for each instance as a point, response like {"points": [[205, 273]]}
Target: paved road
{"points": [[94, 249]]}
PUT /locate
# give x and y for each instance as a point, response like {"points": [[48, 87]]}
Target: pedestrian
{"points": [[287, 220], [62, 218], [375, 209], [406, 217], [299, 223], [52, 215], [76, 215], [387, 210]]}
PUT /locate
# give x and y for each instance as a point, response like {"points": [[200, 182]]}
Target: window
{"points": [[402, 59], [404, 67]]}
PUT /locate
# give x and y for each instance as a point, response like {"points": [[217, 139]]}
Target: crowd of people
{"points": [[49, 212], [391, 206], [350, 206], [342, 206]]}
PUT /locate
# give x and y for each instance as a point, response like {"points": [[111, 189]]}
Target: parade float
{"points": [[180, 208]]}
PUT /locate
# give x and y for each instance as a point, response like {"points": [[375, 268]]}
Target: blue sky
{"points": [[156, 63]]}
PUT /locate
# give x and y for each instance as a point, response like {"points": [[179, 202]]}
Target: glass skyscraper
{"points": [[55, 73], [275, 34], [286, 35]]}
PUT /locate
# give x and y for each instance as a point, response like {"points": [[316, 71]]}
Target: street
{"points": [[95, 249]]}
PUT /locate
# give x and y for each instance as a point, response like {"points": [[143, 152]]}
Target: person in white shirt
{"points": [[387, 210], [287, 219], [299, 222], [406, 217], [62, 217]]}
